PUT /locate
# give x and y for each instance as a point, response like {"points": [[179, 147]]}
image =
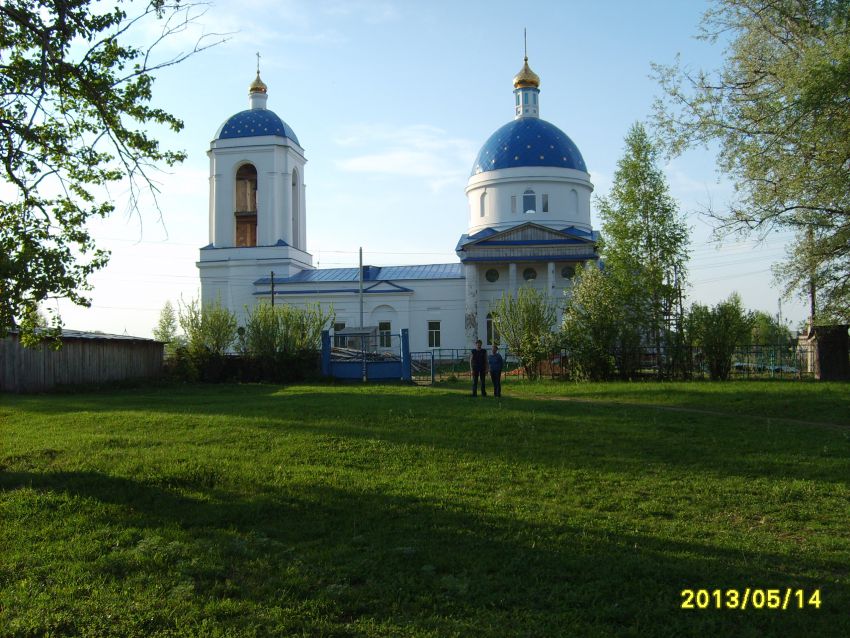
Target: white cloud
{"points": [[419, 150], [369, 12]]}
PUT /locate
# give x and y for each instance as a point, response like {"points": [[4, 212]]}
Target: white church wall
{"points": [[568, 193], [274, 163], [436, 300]]}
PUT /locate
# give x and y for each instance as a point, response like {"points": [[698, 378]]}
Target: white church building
{"points": [[529, 225]]}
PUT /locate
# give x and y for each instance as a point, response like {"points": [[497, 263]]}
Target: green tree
{"points": [[767, 331], [718, 331], [284, 329], [75, 102], [166, 329], [210, 329], [778, 111], [525, 323], [644, 242], [592, 325]]}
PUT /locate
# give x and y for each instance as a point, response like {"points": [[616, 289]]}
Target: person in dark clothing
{"points": [[495, 363], [478, 366]]}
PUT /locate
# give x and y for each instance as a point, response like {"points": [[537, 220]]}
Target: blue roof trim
{"points": [[278, 244], [559, 258], [532, 242], [371, 274], [571, 233], [353, 291], [255, 123], [528, 141]]}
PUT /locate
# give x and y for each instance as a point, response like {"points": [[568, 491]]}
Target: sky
{"points": [[391, 102]]}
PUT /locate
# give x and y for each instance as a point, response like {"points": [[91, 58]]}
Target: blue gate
{"points": [[365, 356]]}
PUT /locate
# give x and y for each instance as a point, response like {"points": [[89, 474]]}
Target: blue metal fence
{"points": [[371, 357]]}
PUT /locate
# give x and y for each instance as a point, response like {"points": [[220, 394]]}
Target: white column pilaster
{"points": [[550, 279], [512, 278], [470, 271], [286, 210]]}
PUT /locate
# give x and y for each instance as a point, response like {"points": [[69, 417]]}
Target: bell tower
{"points": [[257, 208]]}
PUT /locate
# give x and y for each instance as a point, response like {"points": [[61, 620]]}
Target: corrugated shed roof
{"points": [[82, 334], [371, 274]]}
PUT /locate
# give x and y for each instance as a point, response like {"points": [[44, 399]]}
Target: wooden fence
{"points": [[84, 359]]}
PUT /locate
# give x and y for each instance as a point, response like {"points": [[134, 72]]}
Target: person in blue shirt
{"points": [[478, 367], [496, 363]]}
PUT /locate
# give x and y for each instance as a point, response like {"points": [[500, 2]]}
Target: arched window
{"points": [[574, 201], [529, 201], [246, 206], [296, 213], [483, 204]]}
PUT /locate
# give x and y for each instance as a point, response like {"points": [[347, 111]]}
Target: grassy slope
{"points": [[394, 511]]}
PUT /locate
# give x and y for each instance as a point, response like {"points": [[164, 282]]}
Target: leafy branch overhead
{"points": [[75, 106], [778, 111]]}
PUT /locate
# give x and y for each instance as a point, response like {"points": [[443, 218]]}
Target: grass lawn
{"points": [[343, 510]]}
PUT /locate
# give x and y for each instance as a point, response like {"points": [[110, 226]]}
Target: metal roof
{"points": [[255, 122], [528, 141], [482, 234], [371, 274], [82, 334]]}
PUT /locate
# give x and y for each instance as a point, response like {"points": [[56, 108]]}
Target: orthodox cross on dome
{"points": [[526, 87], [257, 92]]}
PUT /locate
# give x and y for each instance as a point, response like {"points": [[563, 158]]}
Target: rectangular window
{"points": [[525, 98], [545, 203], [433, 334], [385, 335], [513, 204], [339, 340], [492, 332]]}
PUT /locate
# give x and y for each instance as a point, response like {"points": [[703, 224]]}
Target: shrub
{"points": [[526, 322]]}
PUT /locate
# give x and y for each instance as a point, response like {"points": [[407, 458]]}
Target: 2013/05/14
{"points": [[750, 598]]}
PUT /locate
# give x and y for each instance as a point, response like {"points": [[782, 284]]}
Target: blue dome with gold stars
{"points": [[528, 141], [254, 123]]}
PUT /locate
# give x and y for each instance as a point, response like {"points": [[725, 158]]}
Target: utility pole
{"points": [[272, 279], [361, 287]]}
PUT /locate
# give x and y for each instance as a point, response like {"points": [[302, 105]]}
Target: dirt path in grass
{"points": [[675, 408]]}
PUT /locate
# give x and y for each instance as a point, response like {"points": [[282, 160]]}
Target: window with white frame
{"points": [[385, 334], [513, 204], [433, 334], [529, 201], [483, 204], [339, 340], [492, 331], [544, 204]]}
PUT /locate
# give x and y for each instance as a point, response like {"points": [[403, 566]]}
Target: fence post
{"points": [[405, 356], [326, 353], [433, 372]]}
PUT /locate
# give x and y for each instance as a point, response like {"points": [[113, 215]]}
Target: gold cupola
{"points": [[258, 86], [526, 78], [258, 93]]}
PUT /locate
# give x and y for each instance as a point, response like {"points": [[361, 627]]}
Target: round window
{"points": [[529, 273], [568, 272], [492, 275]]}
